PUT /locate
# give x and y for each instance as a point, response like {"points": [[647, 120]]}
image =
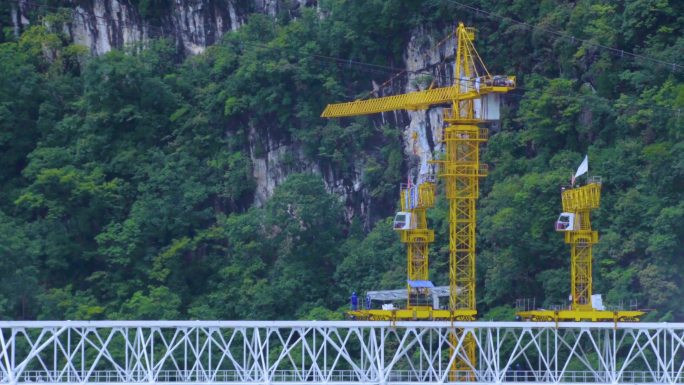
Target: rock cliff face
{"points": [[193, 25], [273, 161], [421, 133], [426, 65]]}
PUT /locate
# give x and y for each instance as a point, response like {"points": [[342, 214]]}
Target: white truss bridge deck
{"points": [[337, 352]]}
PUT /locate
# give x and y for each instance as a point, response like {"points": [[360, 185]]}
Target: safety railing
{"points": [[464, 169], [335, 376], [479, 134], [338, 352], [582, 198]]}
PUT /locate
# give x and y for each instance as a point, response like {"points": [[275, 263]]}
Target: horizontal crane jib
{"points": [[419, 100]]}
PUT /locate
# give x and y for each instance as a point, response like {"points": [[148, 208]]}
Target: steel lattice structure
{"points": [[474, 98], [418, 239], [337, 352]]}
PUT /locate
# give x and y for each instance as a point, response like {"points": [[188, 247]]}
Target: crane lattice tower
{"points": [[416, 200]]}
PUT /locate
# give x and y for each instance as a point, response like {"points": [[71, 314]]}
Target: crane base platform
{"points": [[417, 314], [582, 315]]}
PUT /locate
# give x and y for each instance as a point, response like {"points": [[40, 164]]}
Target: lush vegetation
{"points": [[127, 179]]}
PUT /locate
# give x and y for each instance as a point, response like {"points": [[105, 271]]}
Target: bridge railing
{"points": [[339, 376], [339, 352]]}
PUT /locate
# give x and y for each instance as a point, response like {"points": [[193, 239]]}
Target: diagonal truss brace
{"points": [[338, 352]]}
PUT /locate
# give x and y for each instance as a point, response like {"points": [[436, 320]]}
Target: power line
{"points": [[622, 52], [365, 66], [395, 70]]}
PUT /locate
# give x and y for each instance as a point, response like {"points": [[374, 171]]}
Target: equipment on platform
{"points": [[400, 295], [575, 223]]}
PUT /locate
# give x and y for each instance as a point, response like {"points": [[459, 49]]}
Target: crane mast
{"points": [[411, 223], [461, 170]]}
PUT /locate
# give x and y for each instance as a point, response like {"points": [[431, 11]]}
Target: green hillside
{"points": [[127, 189]]}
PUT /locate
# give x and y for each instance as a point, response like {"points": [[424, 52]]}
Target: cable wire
{"points": [[371, 67], [469, 7], [622, 52]]}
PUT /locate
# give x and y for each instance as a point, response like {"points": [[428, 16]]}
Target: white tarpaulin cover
{"points": [[391, 295], [395, 295]]}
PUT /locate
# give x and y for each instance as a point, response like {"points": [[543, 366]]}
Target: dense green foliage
{"points": [[128, 189]]}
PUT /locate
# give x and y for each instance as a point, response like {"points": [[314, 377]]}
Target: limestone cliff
{"points": [[192, 24], [102, 25]]}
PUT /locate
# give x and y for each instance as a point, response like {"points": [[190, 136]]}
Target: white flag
{"points": [[583, 167]]}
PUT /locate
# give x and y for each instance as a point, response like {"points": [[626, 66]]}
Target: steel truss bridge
{"points": [[338, 352]]}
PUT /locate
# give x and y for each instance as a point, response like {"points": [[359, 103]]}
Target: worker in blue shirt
{"points": [[354, 301]]}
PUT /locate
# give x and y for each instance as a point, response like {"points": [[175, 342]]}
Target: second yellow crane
{"points": [[575, 223]]}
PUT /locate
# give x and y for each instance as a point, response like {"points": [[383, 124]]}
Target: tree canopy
{"points": [[128, 186]]}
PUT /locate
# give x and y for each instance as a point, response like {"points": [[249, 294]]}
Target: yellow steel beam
{"points": [[571, 315], [418, 100], [418, 313]]}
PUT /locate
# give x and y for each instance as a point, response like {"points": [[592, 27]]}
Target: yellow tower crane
{"points": [[415, 200], [475, 99], [411, 222], [575, 223]]}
